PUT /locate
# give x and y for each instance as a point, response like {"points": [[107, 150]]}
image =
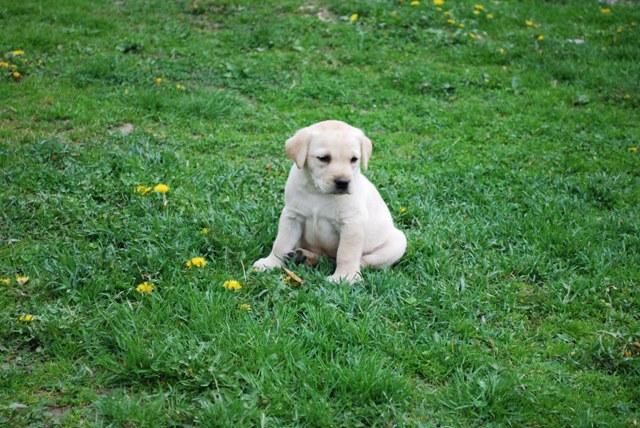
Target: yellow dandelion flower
{"points": [[17, 52], [244, 307], [451, 21], [402, 210], [16, 75], [461, 25], [199, 262], [161, 188], [489, 16], [438, 2], [158, 81], [530, 23], [415, 3], [145, 287], [353, 17], [26, 318], [540, 38], [22, 280], [180, 87], [142, 189], [633, 149], [478, 6], [5, 281], [204, 231], [476, 12], [4, 64], [605, 10], [232, 284]]}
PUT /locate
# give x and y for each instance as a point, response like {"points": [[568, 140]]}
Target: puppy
{"points": [[331, 209]]}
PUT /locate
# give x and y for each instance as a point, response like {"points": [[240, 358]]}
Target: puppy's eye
{"points": [[325, 158], [354, 159]]}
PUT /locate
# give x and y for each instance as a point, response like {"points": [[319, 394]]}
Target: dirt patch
{"points": [[322, 13]]}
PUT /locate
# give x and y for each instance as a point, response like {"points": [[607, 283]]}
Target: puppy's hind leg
{"points": [[389, 253], [303, 256]]}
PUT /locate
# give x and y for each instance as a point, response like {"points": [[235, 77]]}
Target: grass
{"points": [[509, 159]]}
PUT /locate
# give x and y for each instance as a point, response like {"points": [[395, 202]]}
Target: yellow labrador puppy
{"points": [[332, 209]]}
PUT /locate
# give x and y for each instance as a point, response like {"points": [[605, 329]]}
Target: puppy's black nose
{"points": [[342, 183]]}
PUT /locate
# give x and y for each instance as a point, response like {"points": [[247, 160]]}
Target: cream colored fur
{"points": [[323, 215]]}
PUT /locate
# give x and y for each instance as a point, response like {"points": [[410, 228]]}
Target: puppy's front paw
{"points": [[351, 278], [267, 263]]}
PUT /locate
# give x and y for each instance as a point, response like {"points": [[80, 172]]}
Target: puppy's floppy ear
{"points": [[296, 147], [366, 147]]}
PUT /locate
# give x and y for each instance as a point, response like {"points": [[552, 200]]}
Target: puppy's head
{"points": [[331, 152]]}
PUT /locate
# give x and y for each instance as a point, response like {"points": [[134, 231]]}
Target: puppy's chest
{"points": [[321, 234]]}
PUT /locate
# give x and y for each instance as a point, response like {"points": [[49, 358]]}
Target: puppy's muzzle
{"points": [[342, 185]]}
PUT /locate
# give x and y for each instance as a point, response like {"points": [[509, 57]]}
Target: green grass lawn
{"points": [[506, 144]]}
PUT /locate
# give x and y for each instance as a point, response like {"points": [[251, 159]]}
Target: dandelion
{"points": [[605, 10], [16, 75], [141, 189], [489, 16], [415, 3], [17, 52], [540, 37], [402, 210], [476, 12], [204, 231], [633, 149], [26, 318], [198, 262], [244, 307], [4, 64], [161, 188], [5, 281], [22, 280], [180, 87], [232, 284], [145, 287], [530, 23], [478, 7], [353, 18], [158, 81], [438, 2], [461, 25], [451, 21]]}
